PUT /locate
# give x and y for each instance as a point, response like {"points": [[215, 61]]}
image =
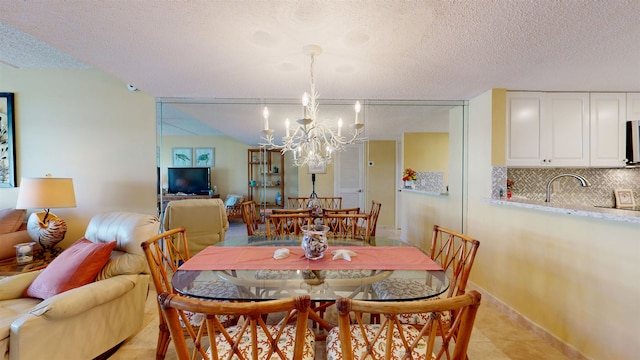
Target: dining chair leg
{"points": [[164, 338]]}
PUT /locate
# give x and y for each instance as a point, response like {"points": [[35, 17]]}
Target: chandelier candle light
{"points": [[313, 142]]}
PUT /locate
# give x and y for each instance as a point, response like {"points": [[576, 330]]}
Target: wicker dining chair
{"points": [[251, 218], [287, 224], [353, 210], [292, 211], [454, 252], [256, 338], [326, 202], [165, 252], [355, 338], [374, 213], [348, 226]]}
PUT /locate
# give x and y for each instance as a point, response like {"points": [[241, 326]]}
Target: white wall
{"points": [[575, 277], [86, 125]]}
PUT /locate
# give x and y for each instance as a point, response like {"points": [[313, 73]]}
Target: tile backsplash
{"points": [[430, 181], [531, 183]]}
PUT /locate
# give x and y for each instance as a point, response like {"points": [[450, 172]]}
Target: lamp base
{"points": [[47, 229]]}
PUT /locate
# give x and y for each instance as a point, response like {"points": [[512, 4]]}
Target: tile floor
{"points": [[495, 335]]}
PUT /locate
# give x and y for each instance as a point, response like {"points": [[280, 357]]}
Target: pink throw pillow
{"points": [[76, 266]]}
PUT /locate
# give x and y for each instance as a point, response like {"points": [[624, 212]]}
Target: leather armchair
{"points": [[84, 322], [205, 220]]}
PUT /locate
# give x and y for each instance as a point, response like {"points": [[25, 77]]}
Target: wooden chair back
{"points": [[251, 217], [392, 338], [354, 210], [349, 226], [165, 252], [455, 252], [255, 339], [373, 217], [326, 202], [287, 224], [307, 211]]}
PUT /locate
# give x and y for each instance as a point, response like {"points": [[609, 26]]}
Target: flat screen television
{"points": [[189, 180]]}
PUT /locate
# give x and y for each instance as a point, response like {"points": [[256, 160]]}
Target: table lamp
{"points": [[46, 193]]}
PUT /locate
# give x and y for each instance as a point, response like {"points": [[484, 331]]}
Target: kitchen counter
{"points": [[572, 209], [424, 192]]}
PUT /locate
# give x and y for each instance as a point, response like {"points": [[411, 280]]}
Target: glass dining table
{"points": [[247, 267]]}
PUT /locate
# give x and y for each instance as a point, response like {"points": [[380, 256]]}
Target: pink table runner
{"points": [[261, 258]]}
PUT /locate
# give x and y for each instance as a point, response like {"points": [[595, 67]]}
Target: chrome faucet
{"points": [[583, 182]]}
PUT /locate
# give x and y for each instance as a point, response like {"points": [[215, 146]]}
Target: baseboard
{"points": [[568, 350]]}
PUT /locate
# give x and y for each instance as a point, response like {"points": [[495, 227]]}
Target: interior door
{"points": [[349, 176]]}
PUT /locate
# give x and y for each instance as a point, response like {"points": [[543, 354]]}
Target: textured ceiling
{"points": [[435, 50]]}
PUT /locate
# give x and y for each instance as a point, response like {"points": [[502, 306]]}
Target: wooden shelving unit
{"points": [[266, 177]]}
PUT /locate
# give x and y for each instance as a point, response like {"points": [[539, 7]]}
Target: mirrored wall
{"points": [[426, 136]]}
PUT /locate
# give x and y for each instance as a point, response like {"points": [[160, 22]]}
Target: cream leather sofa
{"points": [[205, 220], [85, 322]]}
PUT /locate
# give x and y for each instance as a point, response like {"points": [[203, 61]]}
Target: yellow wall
{"points": [[86, 125], [381, 180], [499, 127], [426, 151], [229, 174], [576, 277], [324, 183]]}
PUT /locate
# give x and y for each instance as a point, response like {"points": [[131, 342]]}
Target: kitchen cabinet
{"points": [[547, 129], [266, 177], [607, 127], [633, 106], [524, 111]]}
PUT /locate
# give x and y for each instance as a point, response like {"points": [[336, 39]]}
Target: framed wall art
{"points": [[203, 157], [624, 198], [182, 157], [7, 144]]}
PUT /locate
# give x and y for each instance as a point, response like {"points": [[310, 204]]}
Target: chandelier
{"points": [[313, 141]]}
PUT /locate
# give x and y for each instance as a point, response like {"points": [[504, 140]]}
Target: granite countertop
{"points": [[572, 209], [424, 192]]}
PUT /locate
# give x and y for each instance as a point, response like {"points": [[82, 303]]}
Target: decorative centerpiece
{"points": [[409, 176], [314, 241]]}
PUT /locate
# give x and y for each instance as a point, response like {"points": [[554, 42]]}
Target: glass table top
{"points": [[321, 285]]}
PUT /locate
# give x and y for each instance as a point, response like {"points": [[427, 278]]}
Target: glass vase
{"points": [[24, 253], [314, 241]]}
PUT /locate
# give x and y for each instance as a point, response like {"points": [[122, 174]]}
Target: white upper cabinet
{"points": [[566, 128], [633, 106], [608, 118], [547, 129], [523, 128]]}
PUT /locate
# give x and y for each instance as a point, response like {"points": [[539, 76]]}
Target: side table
{"points": [[9, 266]]}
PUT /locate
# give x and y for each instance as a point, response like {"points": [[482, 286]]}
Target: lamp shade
{"points": [[46, 193]]}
